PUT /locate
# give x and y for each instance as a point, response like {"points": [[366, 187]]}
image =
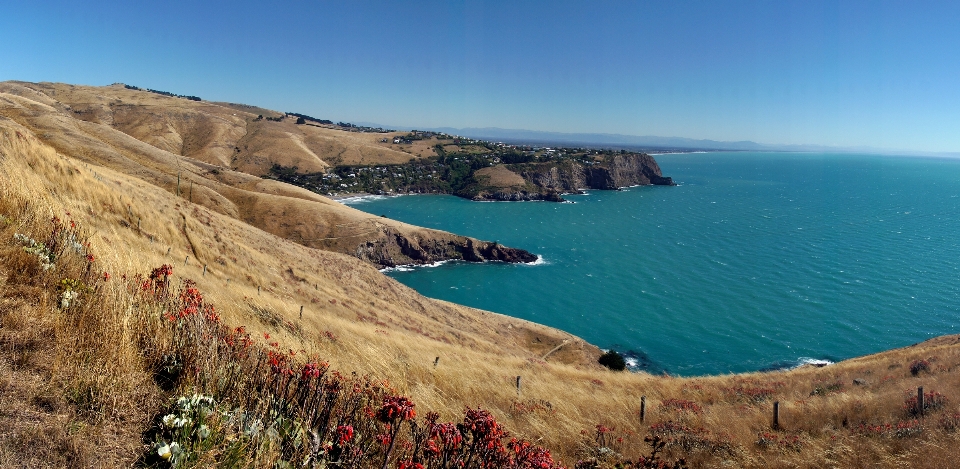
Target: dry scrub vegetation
{"points": [[97, 350]]}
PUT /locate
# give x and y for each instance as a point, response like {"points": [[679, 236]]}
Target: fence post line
{"points": [[776, 415], [920, 400], [643, 408]]}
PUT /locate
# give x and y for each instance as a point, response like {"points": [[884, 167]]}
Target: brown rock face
{"points": [[395, 249], [616, 171]]}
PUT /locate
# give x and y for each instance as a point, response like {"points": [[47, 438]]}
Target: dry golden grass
{"points": [[499, 176], [136, 148], [87, 402]]}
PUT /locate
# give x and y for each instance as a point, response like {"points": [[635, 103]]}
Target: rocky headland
{"points": [[549, 180]]}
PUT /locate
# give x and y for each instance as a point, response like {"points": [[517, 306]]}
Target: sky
{"points": [[842, 73]]}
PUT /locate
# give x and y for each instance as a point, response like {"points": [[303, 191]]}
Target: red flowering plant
{"points": [[298, 407]]}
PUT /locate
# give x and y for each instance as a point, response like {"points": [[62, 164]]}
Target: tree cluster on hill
{"points": [[165, 93], [302, 118]]}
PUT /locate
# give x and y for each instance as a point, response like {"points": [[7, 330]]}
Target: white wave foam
{"points": [[818, 362], [540, 261], [412, 267], [359, 199]]}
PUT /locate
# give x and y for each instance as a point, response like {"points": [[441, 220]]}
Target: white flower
{"points": [[67, 297], [164, 451], [203, 432], [175, 452], [168, 420], [180, 422]]}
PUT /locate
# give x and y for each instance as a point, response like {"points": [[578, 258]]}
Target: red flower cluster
{"points": [[527, 456], [931, 401], [162, 272], [344, 434], [396, 407], [902, 429], [313, 370]]}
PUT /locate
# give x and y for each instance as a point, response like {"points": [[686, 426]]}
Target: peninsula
{"points": [[481, 170]]}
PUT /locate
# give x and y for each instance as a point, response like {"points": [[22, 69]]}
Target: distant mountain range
{"points": [[537, 137]]}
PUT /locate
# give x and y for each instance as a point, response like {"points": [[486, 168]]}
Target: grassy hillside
{"points": [[184, 147], [88, 381]]}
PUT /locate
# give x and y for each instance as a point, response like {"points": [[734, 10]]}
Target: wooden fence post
{"points": [[258, 290], [178, 184], [204, 270], [643, 408], [301, 311], [435, 361], [518, 384], [168, 251], [776, 415], [920, 401], [185, 260]]}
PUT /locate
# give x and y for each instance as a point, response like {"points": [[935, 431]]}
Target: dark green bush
{"points": [[613, 360]]}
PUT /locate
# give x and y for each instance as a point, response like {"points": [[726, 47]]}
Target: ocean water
{"points": [[754, 261]]}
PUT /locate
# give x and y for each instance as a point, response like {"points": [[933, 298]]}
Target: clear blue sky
{"points": [[883, 74]]}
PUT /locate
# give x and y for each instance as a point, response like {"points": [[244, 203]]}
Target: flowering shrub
{"points": [[186, 431], [949, 422], [681, 405], [917, 366], [44, 256], [901, 429], [932, 400], [673, 434], [531, 406], [70, 289], [287, 412]]}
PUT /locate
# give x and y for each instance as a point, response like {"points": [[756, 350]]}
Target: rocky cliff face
{"points": [[396, 248], [614, 172]]}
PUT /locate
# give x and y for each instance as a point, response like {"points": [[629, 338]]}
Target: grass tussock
{"points": [[108, 358]]}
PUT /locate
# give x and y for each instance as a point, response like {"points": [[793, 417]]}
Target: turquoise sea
{"points": [[755, 261]]}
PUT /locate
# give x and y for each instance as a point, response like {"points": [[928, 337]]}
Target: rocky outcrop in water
{"points": [[396, 248]]}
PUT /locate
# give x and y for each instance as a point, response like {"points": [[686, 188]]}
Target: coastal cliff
{"points": [[548, 180], [395, 248]]}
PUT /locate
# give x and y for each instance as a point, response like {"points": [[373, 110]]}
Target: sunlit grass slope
{"points": [[78, 386]]}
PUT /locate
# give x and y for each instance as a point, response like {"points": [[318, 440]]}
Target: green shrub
{"points": [[613, 360]]}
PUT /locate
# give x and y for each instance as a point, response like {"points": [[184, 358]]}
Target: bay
{"points": [[754, 261]]}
